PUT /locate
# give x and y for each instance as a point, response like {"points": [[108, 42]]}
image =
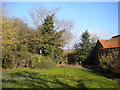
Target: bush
{"points": [[110, 62], [7, 59], [22, 59], [105, 61], [115, 63], [35, 60], [47, 63], [39, 61], [115, 66]]}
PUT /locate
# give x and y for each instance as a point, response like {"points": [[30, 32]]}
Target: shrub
{"points": [[115, 63], [7, 59], [115, 66], [105, 61], [15, 59], [22, 59], [36, 60], [47, 63], [110, 61], [39, 61]]}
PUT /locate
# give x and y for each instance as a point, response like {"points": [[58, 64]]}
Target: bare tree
{"points": [[39, 13], [94, 39], [66, 26]]}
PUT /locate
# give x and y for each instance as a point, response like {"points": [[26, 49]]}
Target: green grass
{"points": [[55, 78]]}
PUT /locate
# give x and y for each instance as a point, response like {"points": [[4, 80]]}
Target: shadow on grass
{"points": [[37, 80]]}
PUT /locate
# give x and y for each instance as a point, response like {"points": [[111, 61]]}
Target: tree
{"points": [[8, 41], [93, 39], [24, 34], [48, 34], [83, 48], [51, 41], [39, 14], [54, 33]]}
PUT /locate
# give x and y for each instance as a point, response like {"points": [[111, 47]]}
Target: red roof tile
{"points": [[103, 42], [114, 42]]}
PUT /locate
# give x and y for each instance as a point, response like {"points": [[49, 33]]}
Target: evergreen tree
{"points": [[51, 41], [84, 47], [48, 36], [48, 25]]}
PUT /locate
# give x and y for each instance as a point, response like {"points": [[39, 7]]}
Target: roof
{"points": [[103, 42], [114, 42]]}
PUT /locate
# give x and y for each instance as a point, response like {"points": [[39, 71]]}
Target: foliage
{"points": [[84, 47], [40, 15], [15, 43], [48, 34], [71, 58], [48, 63], [22, 59], [36, 60], [39, 61], [51, 42], [105, 60], [24, 35], [8, 42], [52, 32], [21, 42], [115, 65], [110, 61], [55, 78]]}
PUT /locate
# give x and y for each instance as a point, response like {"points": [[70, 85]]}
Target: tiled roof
{"points": [[103, 42], [114, 42]]}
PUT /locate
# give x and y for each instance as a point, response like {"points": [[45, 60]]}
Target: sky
{"points": [[99, 18]]}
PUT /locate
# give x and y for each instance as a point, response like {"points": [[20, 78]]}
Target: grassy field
{"points": [[55, 78]]}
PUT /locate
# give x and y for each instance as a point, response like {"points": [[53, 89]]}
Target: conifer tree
{"points": [[51, 39], [48, 36], [84, 47]]}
